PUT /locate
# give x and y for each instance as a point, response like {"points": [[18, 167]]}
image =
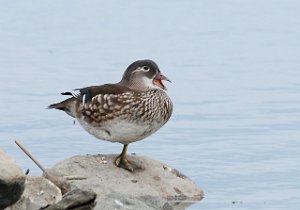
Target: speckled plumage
{"points": [[144, 111], [124, 112], [102, 109]]}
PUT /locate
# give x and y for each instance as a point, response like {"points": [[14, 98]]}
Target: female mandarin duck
{"points": [[125, 112]]}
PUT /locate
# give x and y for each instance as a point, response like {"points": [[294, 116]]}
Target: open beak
{"points": [[158, 81]]}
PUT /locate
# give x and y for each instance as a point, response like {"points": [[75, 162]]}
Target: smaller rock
{"points": [[76, 199], [12, 181], [58, 181], [39, 192]]}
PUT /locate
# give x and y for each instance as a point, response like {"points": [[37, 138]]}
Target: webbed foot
{"points": [[121, 160]]}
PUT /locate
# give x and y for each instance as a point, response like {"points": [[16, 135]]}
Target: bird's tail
{"points": [[67, 106]]}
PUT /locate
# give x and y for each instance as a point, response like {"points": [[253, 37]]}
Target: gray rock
{"points": [[153, 185], [77, 200], [12, 181], [39, 192]]}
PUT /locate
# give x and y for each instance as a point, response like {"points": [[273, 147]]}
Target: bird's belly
{"points": [[121, 131]]}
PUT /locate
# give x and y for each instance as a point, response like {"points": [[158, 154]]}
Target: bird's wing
{"points": [[86, 94], [102, 103]]}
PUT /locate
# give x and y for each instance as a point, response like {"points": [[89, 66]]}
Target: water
{"points": [[235, 71]]}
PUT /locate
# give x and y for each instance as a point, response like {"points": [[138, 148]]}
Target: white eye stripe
{"points": [[144, 69]]}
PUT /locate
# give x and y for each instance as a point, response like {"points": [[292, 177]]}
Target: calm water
{"points": [[235, 67]]}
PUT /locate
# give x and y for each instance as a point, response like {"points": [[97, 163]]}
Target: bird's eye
{"points": [[146, 68]]}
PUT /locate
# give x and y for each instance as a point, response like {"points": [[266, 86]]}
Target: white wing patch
{"points": [[84, 99], [77, 94]]}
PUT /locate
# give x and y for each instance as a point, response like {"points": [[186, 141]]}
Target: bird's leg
{"points": [[121, 160]]}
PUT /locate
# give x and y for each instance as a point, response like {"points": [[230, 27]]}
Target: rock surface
{"points": [[153, 185], [39, 192], [12, 180], [77, 200]]}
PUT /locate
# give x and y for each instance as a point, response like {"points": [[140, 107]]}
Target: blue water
{"points": [[235, 67]]}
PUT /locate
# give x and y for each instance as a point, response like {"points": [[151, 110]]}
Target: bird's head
{"points": [[143, 75]]}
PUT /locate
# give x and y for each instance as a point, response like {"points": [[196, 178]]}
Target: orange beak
{"points": [[158, 81]]}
